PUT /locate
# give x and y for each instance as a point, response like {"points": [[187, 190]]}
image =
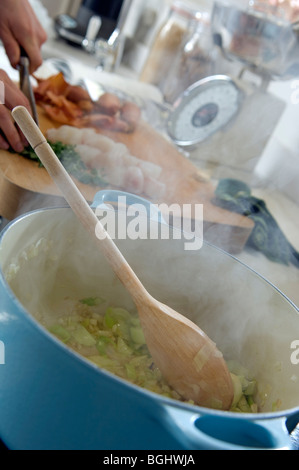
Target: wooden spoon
{"points": [[186, 356]]}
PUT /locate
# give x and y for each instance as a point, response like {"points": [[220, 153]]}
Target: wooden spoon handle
{"points": [[78, 203]]}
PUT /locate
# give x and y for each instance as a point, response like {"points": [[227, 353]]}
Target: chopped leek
{"points": [[82, 336], [62, 333], [112, 339], [237, 389], [137, 335], [92, 301], [102, 344]]}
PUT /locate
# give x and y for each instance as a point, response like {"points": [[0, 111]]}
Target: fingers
{"points": [[11, 46], [31, 46], [35, 57], [12, 94], [3, 142], [10, 135]]}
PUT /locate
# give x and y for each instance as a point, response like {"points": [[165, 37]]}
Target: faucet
{"points": [[94, 26]]}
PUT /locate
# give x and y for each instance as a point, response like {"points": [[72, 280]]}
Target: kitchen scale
{"points": [[225, 121], [205, 108]]}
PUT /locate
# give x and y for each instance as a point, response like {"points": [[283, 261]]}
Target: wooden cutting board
{"points": [[25, 186]]}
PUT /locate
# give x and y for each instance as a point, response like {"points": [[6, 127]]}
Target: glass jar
{"points": [[167, 43], [195, 59]]}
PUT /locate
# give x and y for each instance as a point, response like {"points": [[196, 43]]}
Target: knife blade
{"points": [[25, 83]]}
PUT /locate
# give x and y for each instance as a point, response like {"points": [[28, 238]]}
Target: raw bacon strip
{"points": [[103, 121], [130, 113], [68, 107], [59, 115], [109, 103], [56, 84], [77, 109], [76, 94]]}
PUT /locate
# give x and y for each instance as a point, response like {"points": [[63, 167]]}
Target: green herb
{"points": [[71, 161]]}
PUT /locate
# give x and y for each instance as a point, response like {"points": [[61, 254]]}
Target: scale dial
{"points": [[203, 109]]}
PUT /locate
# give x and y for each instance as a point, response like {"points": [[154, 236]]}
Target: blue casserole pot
{"points": [[52, 398]]}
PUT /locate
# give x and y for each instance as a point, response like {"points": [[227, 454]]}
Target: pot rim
{"points": [[194, 409]]}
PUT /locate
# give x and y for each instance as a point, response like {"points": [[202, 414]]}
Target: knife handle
{"points": [[23, 53]]}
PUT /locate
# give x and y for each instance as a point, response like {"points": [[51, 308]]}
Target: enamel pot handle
{"points": [[215, 431]]}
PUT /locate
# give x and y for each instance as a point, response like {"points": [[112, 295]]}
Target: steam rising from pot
{"points": [[53, 263]]}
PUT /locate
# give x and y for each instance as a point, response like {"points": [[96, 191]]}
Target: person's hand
{"points": [[19, 26], [10, 135]]}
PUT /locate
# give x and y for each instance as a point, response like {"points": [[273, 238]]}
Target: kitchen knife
{"points": [[25, 84]]}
